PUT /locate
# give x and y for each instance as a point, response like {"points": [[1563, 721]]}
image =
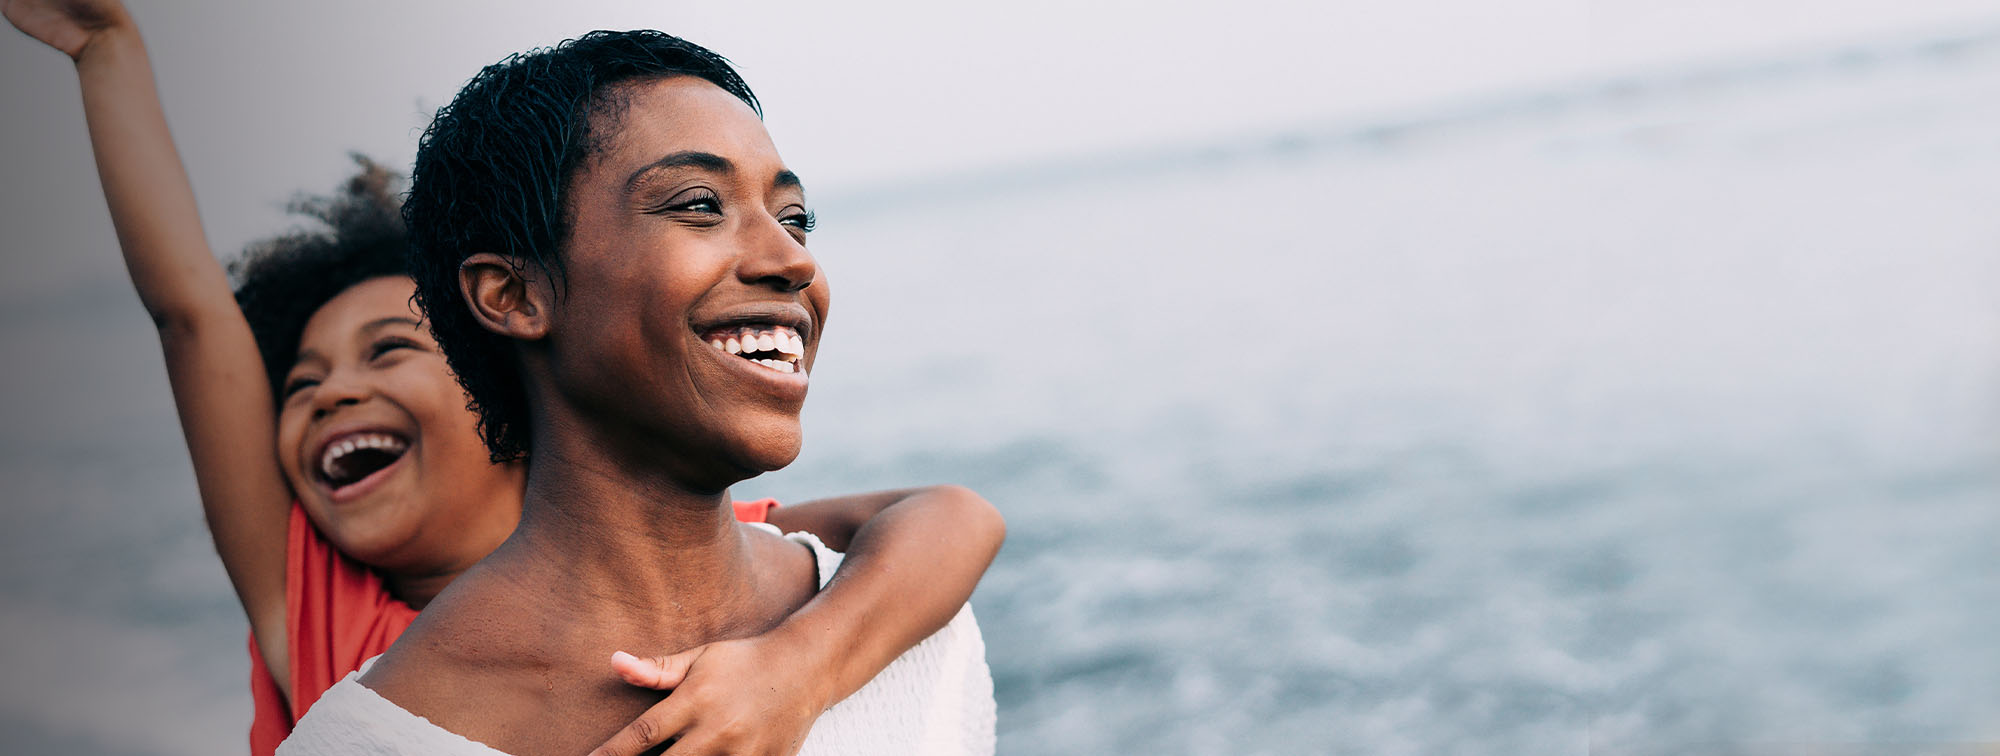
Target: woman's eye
{"points": [[805, 221], [700, 201]]}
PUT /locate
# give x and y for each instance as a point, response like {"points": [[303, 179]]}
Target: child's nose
{"points": [[338, 390]]}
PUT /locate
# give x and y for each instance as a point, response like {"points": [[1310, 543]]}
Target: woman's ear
{"points": [[502, 299]]}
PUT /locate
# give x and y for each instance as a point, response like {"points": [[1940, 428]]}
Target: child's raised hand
{"points": [[66, 25], [743, 697]]}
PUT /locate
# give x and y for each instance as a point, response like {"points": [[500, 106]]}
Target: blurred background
{"points": [[1586, 376]]}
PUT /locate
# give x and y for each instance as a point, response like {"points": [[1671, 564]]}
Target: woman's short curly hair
{"points": [[282, 281], [492, 175]]}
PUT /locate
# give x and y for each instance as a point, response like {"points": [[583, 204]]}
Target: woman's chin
{"points": [[746, 463], [774, 450]]}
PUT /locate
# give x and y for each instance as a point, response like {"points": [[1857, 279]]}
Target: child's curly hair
{"points": [[283, 280]]}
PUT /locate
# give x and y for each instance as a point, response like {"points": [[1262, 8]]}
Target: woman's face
{"points": [[690, 310], [374, 436]]}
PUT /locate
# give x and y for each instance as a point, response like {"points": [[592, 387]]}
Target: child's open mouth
{"points": [[775, 347], [354, 458]]}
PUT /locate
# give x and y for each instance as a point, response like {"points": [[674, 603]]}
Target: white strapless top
{"points": [[934, 700]]}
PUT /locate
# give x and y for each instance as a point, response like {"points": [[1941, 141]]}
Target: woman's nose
{"points": [[776, 259]]}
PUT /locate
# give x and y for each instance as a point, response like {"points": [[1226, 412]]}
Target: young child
{"points": [[393, 494], [613, 256]]}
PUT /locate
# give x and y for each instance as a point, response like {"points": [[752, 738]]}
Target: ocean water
{"points": [[1651, 415]]}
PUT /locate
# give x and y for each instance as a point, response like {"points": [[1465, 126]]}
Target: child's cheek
{"points": [[291, 433]]}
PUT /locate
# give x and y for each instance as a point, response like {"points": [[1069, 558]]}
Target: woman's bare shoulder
{"points": [[470, 658]]}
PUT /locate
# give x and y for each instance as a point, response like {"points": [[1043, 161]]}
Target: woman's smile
{"points": [[763, 343], [774, 346]]}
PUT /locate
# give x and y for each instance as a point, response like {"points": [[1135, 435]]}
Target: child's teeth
{"points": [[718, 344], [766, 343], [732, 347], [328, 462]]}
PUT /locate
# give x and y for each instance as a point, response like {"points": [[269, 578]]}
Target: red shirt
{"points": [[337, 615]]}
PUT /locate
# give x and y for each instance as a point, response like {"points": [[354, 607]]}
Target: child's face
{"points": [[374, 436], [687, 244]]}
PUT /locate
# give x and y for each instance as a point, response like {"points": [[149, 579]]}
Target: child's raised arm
{"points": [[218, 378], [914, 557]]}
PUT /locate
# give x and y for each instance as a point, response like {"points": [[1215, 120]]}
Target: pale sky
{"points": [[267, 98]]}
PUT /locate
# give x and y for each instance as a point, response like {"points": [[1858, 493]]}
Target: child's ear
{"points": [[502, 299]]}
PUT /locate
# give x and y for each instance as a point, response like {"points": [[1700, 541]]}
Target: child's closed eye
{"points": [[296, 385], [385, 346]]}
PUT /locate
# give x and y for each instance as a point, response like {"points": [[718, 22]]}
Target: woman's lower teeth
{"points": [[782, 366]]}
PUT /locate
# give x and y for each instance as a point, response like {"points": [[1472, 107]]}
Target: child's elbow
{"points": [[171, 321], [185, 320]]}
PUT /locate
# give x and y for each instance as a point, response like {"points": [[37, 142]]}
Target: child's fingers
{"points": [[657, 672], [695, 744], [728, 738], [659, 724]]}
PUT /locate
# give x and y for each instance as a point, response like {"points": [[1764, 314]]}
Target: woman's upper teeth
{"points": [[781, 341]]}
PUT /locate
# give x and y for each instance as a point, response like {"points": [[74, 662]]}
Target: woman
{"points": [[613, 258], [378, 455]]}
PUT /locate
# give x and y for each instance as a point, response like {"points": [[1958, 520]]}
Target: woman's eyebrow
{"points": [[788, 180], [706, 161]]}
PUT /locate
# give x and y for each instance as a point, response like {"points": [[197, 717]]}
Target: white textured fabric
{"points": [[934, 700]]}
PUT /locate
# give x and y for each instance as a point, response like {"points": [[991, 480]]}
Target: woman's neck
{"points": [[637, 541], [607, 558]]}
